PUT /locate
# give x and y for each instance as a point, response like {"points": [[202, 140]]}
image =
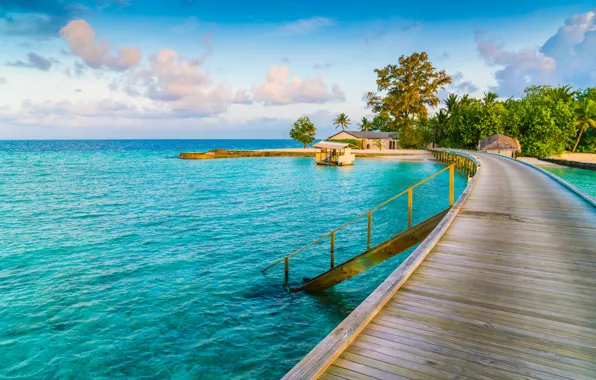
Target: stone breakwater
{"points": [[224, 153]]}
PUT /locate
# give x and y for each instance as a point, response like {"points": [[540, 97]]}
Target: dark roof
{"points": [[499, 142], [370, 135]]}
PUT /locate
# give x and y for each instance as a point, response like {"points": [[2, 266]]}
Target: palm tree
{"points": [[451, 102], [342, 120], [563, 93], [439, 123], [490, 97], [465, 100], [585, 118], [365, 125]]}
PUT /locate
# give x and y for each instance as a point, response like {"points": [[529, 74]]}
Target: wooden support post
{"points": [[451, 185], [332, 236], [369, 237], [410, 208], [287, 268]]}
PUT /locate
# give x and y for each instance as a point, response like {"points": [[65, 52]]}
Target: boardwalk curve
{"points": [[507, 291]]}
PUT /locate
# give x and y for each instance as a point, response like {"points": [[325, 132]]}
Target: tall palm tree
{"points": [[585, 118], [439, 123], [365, 125], [451, 102], [490, 97], [465, 100], [342, 120]]}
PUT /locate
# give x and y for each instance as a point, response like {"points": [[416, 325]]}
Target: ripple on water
{"points": [[118, 261]]}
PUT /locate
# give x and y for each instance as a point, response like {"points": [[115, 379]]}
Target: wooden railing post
{"points": [[287, 268], [410, 208], [451, 185], [332, 243], [369, 237]]}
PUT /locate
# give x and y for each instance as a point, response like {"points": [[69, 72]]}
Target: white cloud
{"points": [[278, 89], [307, 25], [574, 49], [80, 37], [3, 80], [568, 57], [179, 82], [242, 97]]}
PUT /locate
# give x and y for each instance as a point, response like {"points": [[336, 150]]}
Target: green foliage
{"points": [[365, 125], [342, 120], [404, 91], [585, 118], [304, 131], [357, 143], [381, 123], [544, 120], [415, 136]]}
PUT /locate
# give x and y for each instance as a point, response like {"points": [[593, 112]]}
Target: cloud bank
{"points": [[279, 90], [568, 57]]}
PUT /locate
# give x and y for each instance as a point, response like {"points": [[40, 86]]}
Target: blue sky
{"points": [[237, 69]]}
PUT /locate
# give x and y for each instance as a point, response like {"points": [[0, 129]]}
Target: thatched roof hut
{"points": [[499, 142]]}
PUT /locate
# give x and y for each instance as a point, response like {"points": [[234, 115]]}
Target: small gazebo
{"points": [[333, 154], [500, 144]]}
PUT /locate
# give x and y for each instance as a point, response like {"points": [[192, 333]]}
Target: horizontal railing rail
{"points": [[457, 164]]}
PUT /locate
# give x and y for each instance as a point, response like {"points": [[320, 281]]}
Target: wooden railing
{"points": [[458, 163]]}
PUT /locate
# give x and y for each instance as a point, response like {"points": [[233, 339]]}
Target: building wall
{"points": [[366, 143], [370, 144], [343, 136]]}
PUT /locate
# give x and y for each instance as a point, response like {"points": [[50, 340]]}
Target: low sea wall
{"points": [[572, 164], [223, 153]]}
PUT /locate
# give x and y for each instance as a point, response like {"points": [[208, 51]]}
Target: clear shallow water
{"points": [[119, 260], [584, 180]]}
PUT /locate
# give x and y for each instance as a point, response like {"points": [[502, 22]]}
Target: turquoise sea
{"points": [[584, 180], [119, 260]]}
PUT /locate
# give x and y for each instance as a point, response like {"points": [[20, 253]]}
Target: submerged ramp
{"points": [[509, 291], [374, 256]]}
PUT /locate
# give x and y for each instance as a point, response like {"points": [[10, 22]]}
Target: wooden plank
{"points": [[382, 366], [367, 370], [508, 303], [490, 331], [522, 321], [347, 374], [436, 356], [495, 354]]}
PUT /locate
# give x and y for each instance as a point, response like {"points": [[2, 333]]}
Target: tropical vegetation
{"points": [[546, 120], [304, 131]]}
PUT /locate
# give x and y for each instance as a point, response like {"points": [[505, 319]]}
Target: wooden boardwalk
{"points": [[508, 292]]}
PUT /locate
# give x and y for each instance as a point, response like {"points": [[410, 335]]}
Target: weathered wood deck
{"points": [[509, 292]]}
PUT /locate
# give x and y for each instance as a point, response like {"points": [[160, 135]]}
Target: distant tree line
{"points": [[546, 120]]}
